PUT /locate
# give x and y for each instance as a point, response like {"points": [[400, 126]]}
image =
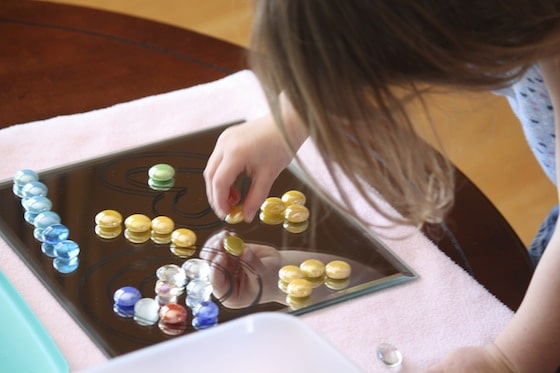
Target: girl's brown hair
{"points": [[352, 68]]}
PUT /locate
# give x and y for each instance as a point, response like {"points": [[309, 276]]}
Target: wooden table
{"points": [[58, 59]]}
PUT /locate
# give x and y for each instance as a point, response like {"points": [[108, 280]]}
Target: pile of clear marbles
{"points": [[192, 278], [48, 228]]}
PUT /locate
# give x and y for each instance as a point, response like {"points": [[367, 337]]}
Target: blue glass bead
{"points": [[43, 220], [48, 249], [37, 204], [25, 176], [46, 218], [63, 265], [34, 188], [55, 233], [127, 296], [206, 310], [200, 324], [66, 249]]}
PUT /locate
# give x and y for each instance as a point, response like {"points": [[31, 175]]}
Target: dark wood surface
{"points": [[58, 59]]}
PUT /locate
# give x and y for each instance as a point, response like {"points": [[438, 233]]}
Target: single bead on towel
{"points": [[389, 355]]}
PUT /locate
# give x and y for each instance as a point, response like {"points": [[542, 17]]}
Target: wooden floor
{"points": [[479, 132]]}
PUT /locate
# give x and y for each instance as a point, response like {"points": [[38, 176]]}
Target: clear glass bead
{"points": [[172, 273], [196, 269], [389, 355], [146, 311]]}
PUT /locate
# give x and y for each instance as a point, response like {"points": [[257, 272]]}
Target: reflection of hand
{"points": [[237, 278]]}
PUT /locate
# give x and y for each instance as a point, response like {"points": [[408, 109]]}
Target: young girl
{"points": [[346, 73]]}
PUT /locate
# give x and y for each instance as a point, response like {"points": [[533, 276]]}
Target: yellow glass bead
{"points": [[290, 272], [271, 219], [136, 237], [273, 206], [108, 219], [108, 233], [312, 268], [162, 225], [183, 237], [297, 303], [338, 270], [299, 288], [138, 223], [293, 197], [235, 216], [337, 284], [296, 227], [234, 245], [296, 213], [160, 239], [182, 252]]}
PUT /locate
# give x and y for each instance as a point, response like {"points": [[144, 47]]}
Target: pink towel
{"points": [[443, 309]]}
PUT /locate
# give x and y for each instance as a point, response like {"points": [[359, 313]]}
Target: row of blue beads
{"points": [[48, 228]]}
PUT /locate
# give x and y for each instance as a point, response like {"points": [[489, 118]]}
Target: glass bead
{"points": [[172, 273], [162, 225], [183, 237], [199, 289], [338, 269], [161, 185], [137, 237], [166, 289], [138, 223], [161, 172], [55, 233], [34, 188], [196, 269], [293, 197], [200, 324], [206, 310], [296, 213], [337, 284], [37, 204], [312, 268], [182, 252], [108, 233], [127, 296], [273, 206], [290, 272], [299, 288], [389, 355], [173, 313], [64, 265], [66, 249], [108, 219], [43, 220], [46, 218], [296, 227], [271, 219], [25, 176], [235, 216], [48, 249], [162, 301], [146, 311], [297, 303], [234, 245]]}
